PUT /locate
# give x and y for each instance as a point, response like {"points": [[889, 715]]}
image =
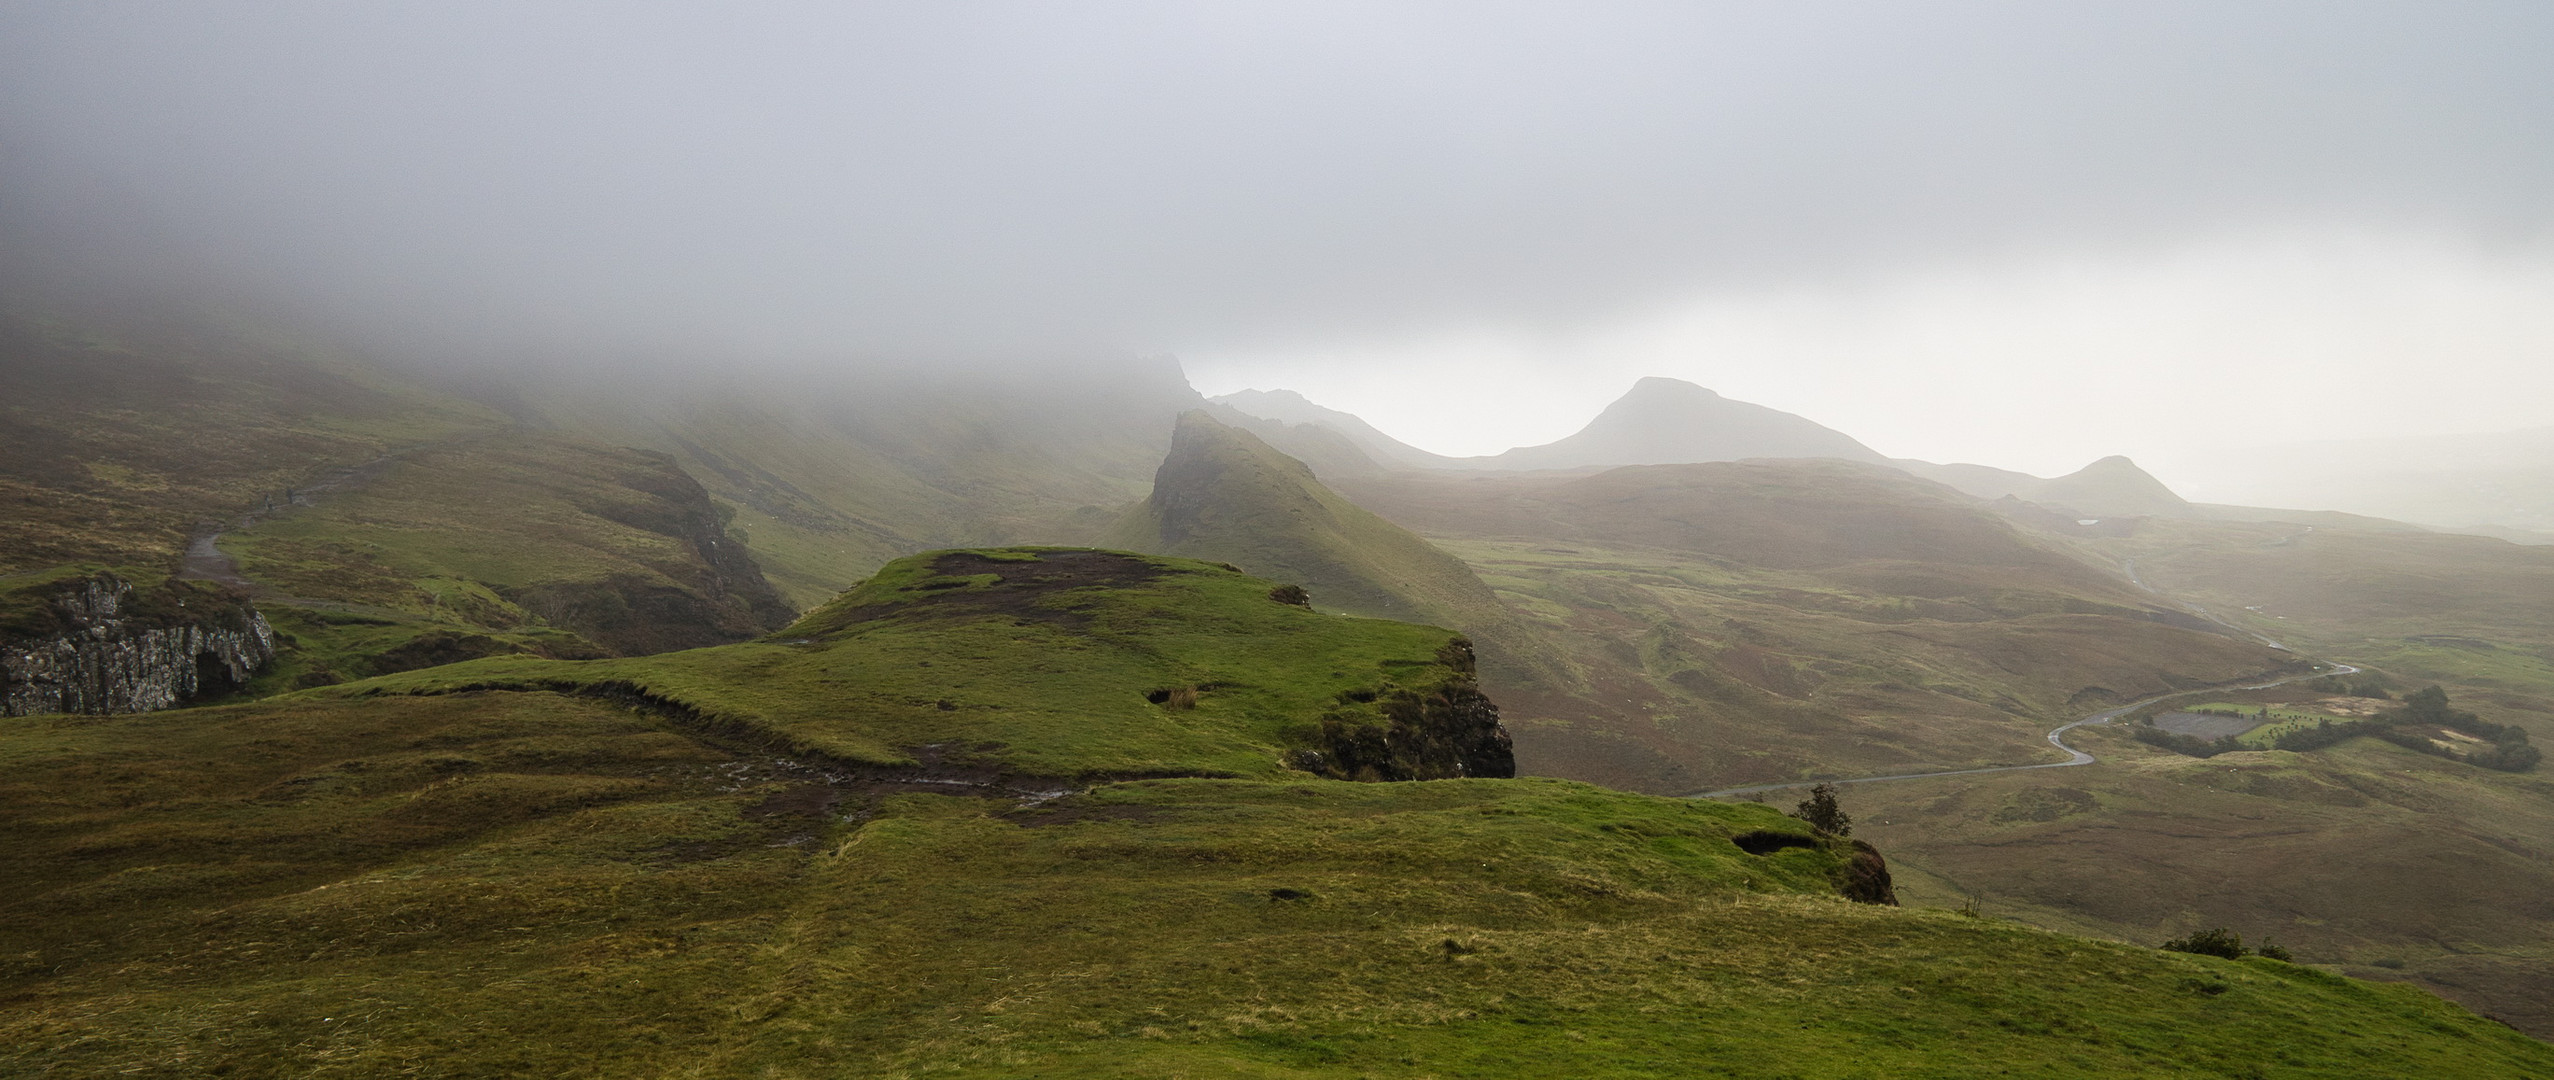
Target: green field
{"points": [[2275, 722]]}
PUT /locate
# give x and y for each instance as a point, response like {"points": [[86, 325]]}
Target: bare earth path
{"points": [[206, 561]]}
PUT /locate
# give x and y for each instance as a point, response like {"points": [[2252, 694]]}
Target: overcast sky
{"points": [[2027, 234]]}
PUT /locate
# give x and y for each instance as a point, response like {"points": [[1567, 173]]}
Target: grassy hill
{"points": [[1222, 493], [381, 522], [815, 856], [1048, 664], [120, 434], [835, 471]]}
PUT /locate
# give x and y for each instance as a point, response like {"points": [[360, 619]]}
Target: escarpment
{"points": [[99, 645]]}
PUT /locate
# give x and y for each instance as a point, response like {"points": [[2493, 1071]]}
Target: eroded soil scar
{"points": [[1025, 589]]}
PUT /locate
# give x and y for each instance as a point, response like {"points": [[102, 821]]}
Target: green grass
{"points": [[120, 432], [1044, 683], [531, 884]]}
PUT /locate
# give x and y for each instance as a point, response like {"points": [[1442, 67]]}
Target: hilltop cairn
{"points": [[112, 655]]}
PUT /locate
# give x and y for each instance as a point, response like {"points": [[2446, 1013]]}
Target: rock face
{"points": [[1864, 877], [114, 655]]}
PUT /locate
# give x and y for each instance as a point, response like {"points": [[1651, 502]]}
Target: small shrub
{"points": [[1822, 812], [1291, 595], [2269, 951], [2219, 942]]}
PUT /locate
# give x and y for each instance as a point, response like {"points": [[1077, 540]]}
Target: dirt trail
{"points": [[206, 561]]}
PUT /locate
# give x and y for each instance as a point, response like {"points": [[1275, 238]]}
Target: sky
{"points": [[2023, 234]]}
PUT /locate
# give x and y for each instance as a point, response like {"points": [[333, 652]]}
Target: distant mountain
{"points": [[1673, 422], [1289, 408], [1659, 422], [2111, 487]]}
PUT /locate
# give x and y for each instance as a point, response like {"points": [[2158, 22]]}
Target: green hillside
{"points": [[380, 522], [814, 856], [119, 433], [1052, 664], [1224, 494], [834, 471]]}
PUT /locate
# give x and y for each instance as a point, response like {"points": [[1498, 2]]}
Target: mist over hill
{"points": [[2111, 487], [1657, 422]]}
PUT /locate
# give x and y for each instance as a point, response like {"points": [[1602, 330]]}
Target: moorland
{"points": [[901, 724]]}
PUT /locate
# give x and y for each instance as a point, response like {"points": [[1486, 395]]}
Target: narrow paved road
{"points": [[2056, 739]]}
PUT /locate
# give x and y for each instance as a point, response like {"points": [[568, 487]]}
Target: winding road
{"points": [[2056, 739]]}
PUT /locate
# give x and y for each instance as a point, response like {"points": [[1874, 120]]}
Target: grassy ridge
{"points": [[1224, 494], [1034, 661], [529, 883]]}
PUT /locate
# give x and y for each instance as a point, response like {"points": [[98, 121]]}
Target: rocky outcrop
{"points": [[111, 650], [1863, 877], [1404, 734]]}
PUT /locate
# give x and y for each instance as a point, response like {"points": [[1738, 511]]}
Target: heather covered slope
{"points": [[2392, 863], [380, 522], [625, 868], [836, 470], [121, 431], [1744, 622]]}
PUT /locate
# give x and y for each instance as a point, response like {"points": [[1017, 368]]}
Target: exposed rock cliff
{"points": [[109, 650]]}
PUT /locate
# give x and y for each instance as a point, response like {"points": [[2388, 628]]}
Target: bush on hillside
{"points": [[2219, 942], [1292, 595], [1823, 813]]}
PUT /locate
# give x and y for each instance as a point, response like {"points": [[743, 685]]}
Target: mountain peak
{"points": [[1660, 384], [2111, 487], [1663, 421]]}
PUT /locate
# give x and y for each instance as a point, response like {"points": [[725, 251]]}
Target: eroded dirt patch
{"points": [[1025, 589]]}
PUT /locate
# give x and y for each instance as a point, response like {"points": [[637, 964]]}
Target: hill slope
{"points": [[1743, 622], [1224, 494], [1062, 663], [559, 868], [834, 472], [379, 521]]}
